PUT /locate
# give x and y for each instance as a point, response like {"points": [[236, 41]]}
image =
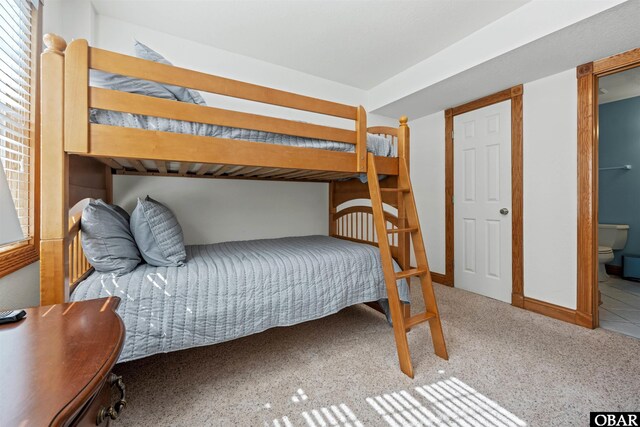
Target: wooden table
{"points": [[55, 365]]}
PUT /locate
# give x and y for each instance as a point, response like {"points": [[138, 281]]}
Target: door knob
{"points": [[504, 211]]}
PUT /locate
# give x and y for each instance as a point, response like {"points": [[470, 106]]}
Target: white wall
{"points": [[550, 182], [550, 189], [21, 288], [119, 36], [70, 19], [218, 210], [427, 179]]}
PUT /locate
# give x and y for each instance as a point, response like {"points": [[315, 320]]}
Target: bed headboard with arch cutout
{"points": [[350, 213]]}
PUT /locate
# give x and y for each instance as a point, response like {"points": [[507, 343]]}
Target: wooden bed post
{"points": [[361, 140], [54, 258], [332, 210], [403, 153], [404, 242], [76, 99], [403, 140]]}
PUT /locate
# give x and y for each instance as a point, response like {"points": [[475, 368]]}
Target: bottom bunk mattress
{"points": [[233, 289]]}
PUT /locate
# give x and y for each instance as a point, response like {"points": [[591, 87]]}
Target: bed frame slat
{"points": [[383, 130], [110, 162], [162, 167], [245, 170], [149, 106], [184, 168], [299, 174], [204, 168], [147, 144], [79, 267], [262, 172], [137, 164], [117, 63], [224, 169]]}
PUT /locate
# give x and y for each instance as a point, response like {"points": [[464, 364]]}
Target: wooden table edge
{"points": [[80, 400]]}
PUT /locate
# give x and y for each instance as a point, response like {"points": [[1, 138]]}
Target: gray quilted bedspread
{"points": [[233, 289], [376, 144]]}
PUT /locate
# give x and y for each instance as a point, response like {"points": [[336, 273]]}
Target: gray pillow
{"points": [[129, 84], [158, 234], [121, 211], [106, 239], [181, 93]]}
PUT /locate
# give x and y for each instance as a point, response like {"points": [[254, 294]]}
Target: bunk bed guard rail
{"points": [[84, 138]]}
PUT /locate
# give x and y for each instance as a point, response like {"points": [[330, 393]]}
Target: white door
{"points": [[482, 201]]}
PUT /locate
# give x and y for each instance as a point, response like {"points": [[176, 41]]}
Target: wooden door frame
{"points": [[587, 76], [515, 95]]}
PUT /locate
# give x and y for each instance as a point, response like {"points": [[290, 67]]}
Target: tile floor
{"points": [[620, 309]]}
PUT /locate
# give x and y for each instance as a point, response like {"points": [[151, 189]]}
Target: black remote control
{"points": [[10, 316]]}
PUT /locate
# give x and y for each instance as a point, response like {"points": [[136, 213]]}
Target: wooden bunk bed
{"points": [[80, 157]]}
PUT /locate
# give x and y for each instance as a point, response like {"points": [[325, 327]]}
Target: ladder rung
{"points": [[409, 273], [402, 230], [417, 319], [396, 190]]}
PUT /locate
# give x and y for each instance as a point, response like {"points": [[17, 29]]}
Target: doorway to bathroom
{"points": [[608, 189], [618, 204]]}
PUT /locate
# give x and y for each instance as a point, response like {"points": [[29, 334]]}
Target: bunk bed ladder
{"points": [[402, 319]]}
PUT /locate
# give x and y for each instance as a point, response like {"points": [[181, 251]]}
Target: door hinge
{"points": [[452, 134]]}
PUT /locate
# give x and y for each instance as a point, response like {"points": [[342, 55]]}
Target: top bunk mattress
{"points": [[376, 144], [229, 290]]}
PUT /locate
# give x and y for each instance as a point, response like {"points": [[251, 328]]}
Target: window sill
{"points": [[17, 256]]}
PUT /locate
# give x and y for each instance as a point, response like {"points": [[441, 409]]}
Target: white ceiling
{"points": [[351, 42], [612, 31], [616, 87]]}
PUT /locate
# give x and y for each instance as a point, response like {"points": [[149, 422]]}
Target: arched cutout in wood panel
{"points": [[355, 223]]}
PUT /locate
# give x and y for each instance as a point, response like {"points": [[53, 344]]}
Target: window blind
{"points": [[16, 112]]}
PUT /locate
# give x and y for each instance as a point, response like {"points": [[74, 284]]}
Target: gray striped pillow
{"points": [[158, 234], [106, 239]]}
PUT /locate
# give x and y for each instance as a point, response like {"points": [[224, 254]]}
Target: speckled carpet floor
{"points": [[507, 367]]}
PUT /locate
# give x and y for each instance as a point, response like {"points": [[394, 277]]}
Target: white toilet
{"points": [[610, 237]]}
